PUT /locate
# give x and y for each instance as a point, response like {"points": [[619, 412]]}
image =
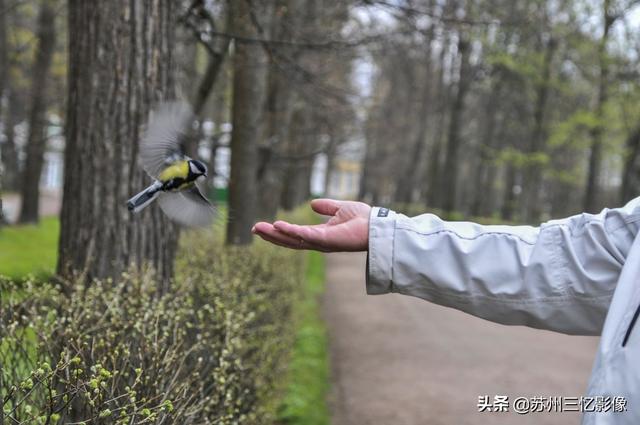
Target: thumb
{"points": [[325, 206]]}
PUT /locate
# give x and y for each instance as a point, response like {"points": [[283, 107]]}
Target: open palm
{"points": [[346, 230]]}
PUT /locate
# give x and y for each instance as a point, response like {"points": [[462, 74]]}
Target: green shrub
{"points": [[212, 349]]}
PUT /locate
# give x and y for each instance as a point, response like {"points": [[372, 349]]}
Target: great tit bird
{"points": [[176, 176]]}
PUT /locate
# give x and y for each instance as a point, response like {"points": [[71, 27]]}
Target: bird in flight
{"points": [[176, 176]]}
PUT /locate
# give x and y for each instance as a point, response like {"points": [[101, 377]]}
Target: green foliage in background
{"points": [[29, 249], [305, 399], [238, 338], [212, 348]]}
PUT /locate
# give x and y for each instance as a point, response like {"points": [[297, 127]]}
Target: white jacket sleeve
{"points": [[559, 276]]}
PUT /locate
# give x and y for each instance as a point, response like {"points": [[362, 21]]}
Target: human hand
{"points": [[346, 230]]}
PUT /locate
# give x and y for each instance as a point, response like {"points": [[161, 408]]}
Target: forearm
{"points": [[559, 276]]}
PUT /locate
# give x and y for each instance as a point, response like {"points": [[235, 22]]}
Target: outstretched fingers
{"points": [[314, 234], [269, 233]]}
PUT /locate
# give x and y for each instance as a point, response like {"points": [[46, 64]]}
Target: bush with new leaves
{"points": [[209, 350]]}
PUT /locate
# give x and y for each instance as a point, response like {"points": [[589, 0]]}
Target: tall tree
{"points": [[591, 197], [249, 91], [3, 79], [434, 169], [10, 166], [216, 47], [279, 108], [36, 141], [407, 183], [315, 120], [536, 149], [630, 174], [120, 65], [485, 172], [454, 141], [4, 59], [10, 103]]}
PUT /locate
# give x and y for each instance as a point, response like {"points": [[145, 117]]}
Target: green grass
{"points": [[29, 250], [305, 397]]}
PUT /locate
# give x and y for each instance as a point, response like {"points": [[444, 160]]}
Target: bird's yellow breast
{"points": [[179, 169]]}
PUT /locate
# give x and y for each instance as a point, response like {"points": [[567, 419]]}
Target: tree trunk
{"points": [[11, 169], [36, 141], [297, 183], [533, 173], [120, 65], [591, 198], [509, 194], [407, 183], [434, 168], [3, 80], [631, 175], [249, 88], [9, 110], [4, 60], [452, 161], [217, 50], [279, 111], [367, 190], [483, 181]]}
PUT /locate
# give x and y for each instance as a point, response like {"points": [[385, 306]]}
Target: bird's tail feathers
{"points": [[144, 198]]}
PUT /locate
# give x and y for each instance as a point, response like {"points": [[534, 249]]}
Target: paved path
{"points": [[397, 360]]}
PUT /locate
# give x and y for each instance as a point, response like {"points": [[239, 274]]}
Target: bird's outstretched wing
{"points": [[188, 207], [163, 141]]}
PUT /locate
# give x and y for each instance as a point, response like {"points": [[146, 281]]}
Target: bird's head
{"points": [[197, 168]]}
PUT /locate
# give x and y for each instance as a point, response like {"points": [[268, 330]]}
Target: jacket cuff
{"points": [[382, 225]]}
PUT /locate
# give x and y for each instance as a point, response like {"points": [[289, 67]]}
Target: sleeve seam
{"points": [[548, 226], [627, 221], [466, 237], [560, 299], [561, 271]]}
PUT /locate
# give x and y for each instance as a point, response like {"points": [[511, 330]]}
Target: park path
{"points": [[398, 360]]}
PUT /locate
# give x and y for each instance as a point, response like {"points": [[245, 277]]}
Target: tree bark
{"points": [[591, 198], [3, 79], [217, 50], [249, 88], [279, 112], [11, 169], [4, 60], [533, 173], [297, 184], [8, 109], [484, 176], [434, 168], [407, 183], [631, 175], [509, 195], [454, 142], [36, 142], [120, 65]]}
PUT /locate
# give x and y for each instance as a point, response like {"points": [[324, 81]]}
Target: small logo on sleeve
{"points": [[383, 212]]}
